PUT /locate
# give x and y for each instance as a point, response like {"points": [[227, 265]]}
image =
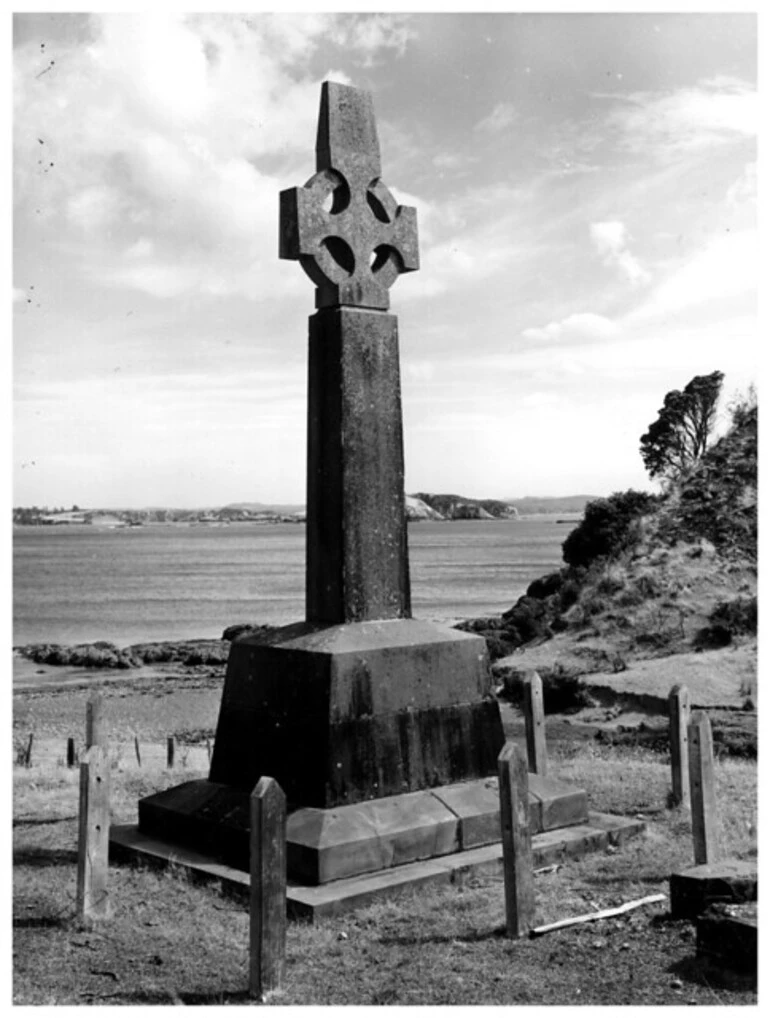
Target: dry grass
{"points": [[169, 941]]}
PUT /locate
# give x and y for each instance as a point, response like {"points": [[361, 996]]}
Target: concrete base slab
{"points": [[128, 844], [729, 881]]}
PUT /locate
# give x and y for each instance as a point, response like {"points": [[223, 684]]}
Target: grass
{"points": [[169, 941]]}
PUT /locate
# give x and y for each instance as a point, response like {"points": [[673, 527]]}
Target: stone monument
{"points": [[382, 730]]}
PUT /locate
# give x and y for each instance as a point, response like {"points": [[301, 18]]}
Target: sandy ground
{"points": [[717, 678]]}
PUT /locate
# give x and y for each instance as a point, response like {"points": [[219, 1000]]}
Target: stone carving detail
{"points": [[344, 226]]}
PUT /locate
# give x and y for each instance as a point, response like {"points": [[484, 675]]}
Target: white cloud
{"points": [[161, 132], [502, 116], [577, 327], [716, 111], [611, 240], [724, 269]]}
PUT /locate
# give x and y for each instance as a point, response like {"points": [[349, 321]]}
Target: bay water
{"points": [[79, 584]]}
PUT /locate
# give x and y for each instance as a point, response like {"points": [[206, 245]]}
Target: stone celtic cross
{"points": [[344, 225], [353, 240]]}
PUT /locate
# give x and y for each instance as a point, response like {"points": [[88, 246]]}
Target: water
{"points": [[81, 584]]}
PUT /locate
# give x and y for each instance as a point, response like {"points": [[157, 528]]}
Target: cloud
{"points": [[715, 112], [502, 116], [169, 137], [611, 240], [724, 269], [575, 328]]}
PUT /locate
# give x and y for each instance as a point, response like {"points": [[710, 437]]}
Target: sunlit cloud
{"points": [[611, 240], [715, 112]]}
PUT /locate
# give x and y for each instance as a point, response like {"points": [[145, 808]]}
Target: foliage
{"points": [[718, 501], [607, 527], [677, 440], [738, 616]]}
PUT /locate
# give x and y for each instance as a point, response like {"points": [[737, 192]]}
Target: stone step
{"points": [[363, 837], [128, 844]]}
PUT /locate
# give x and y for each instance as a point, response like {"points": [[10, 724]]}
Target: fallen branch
{"points": [[605, 913]]}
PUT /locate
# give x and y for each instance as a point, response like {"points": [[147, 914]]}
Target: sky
{"points": [[585, 187]]}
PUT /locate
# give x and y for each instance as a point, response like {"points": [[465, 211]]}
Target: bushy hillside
{"points": [[650, 576]]}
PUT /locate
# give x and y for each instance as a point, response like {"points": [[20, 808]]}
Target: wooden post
{"points": [[702, 792], [170, 752], [517, 841], [28, 754], [267, 945], [94, 726], [93, 835], [136, 750], [534, 716], [678, 720], [70, 752]]}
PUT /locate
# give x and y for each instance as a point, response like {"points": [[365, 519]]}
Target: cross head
{"points": [[344, 226]]}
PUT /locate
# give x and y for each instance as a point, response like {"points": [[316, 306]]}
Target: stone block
{"points": [[558, 804], [729, 881], [332, 844], [728, 935], [380, 708], [476, 805]]}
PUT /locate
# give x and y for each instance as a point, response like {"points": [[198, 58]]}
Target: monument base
{"points": [[344, 713], [303, 901], [366, 837]]}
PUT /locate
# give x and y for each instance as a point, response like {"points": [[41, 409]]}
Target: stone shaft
{"points": [[357, 564]]}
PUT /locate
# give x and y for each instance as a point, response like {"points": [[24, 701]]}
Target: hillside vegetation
{"points": [[649, 576]]}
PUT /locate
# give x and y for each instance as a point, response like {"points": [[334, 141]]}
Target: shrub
{"points": [[608, 527], [546, 586], [738, 616]]}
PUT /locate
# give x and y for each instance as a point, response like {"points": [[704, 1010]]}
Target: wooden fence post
{"points": [[534, 717], [93, 835], [267, 927], [28, 753], [170, 752], [517, 841], [70, 752], [94, 726], [136, 750], [703, 801], [678, 720]]}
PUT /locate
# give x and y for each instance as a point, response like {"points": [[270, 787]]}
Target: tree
{"points": [[675, 442]]}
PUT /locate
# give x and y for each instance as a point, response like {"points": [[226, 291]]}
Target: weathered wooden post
{"points": [[170, 752], [703, 802], [267, 944], [517, 841], [534, 717], [94, 725], [70, 752], [136, 750], [28, 752], [679, 719], [93, 835]]}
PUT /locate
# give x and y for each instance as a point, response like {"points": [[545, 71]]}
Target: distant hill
{"points": [[532, 504], [458, 507]]}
